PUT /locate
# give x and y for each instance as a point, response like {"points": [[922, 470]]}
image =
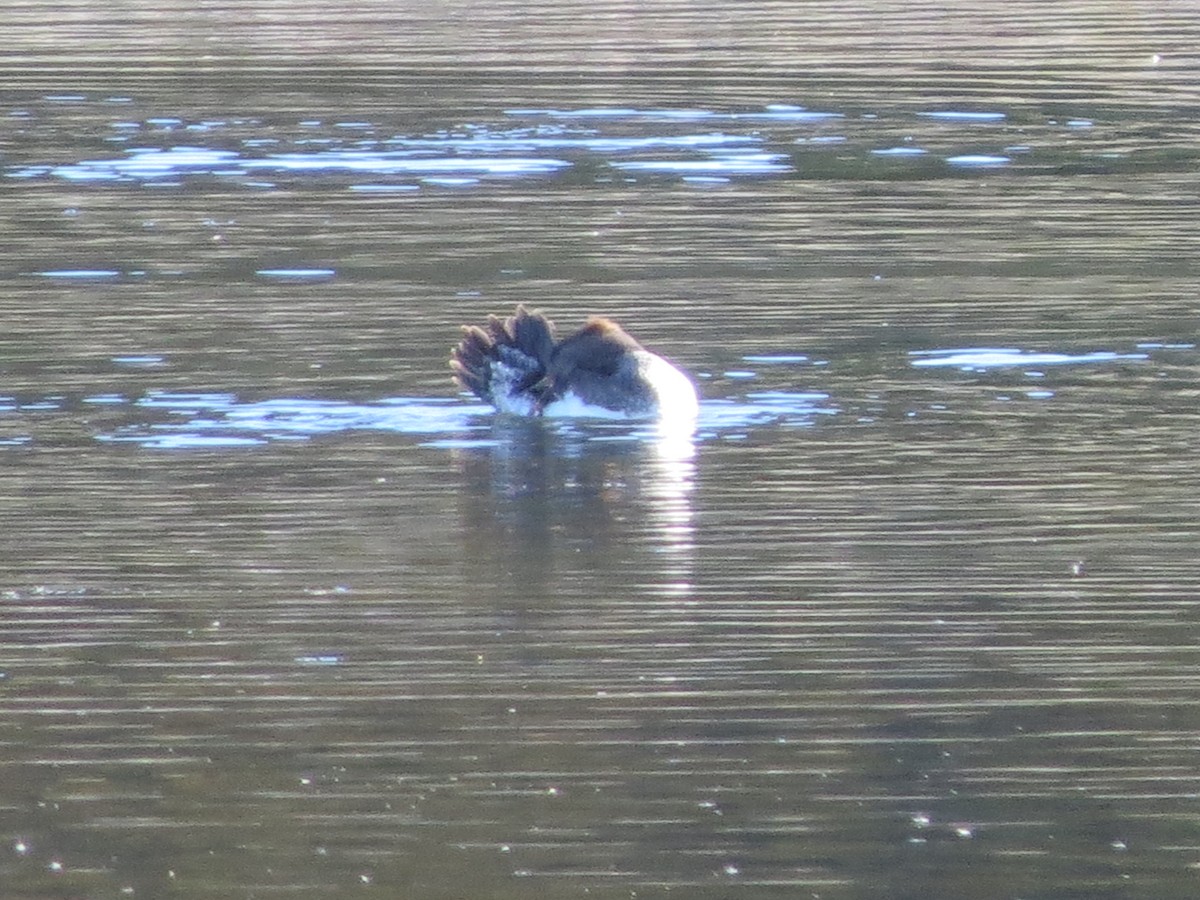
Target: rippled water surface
{"points": [[911, 613]]}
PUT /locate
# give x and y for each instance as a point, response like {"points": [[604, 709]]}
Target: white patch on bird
{"points": [[569, 406], [676, 393]]}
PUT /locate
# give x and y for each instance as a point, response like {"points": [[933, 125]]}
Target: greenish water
{"points": [[912, 614]]}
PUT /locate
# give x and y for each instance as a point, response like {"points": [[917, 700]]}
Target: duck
{"points": [[520, 366]]}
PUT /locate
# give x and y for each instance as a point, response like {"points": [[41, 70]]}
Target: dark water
{"points": [[914, 612]]}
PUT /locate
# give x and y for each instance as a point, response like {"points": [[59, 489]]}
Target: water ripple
{"points": [[550, 143], [185, 420]]}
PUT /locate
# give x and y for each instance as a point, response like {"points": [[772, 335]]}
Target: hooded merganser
{"points": [[519, 366]]}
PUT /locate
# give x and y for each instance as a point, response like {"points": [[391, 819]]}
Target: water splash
{"points": [[183, 420]]}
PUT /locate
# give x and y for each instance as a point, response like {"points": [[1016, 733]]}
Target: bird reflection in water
{"points": [[550, 507]]}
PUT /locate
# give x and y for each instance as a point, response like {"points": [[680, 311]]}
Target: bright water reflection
{"points": [[205, 419], [590, 143], [179, 420]]}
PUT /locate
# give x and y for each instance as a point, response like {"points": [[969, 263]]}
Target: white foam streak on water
{"points": [[733, 164], [978, 160], [982, 358], [80, 273]]}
